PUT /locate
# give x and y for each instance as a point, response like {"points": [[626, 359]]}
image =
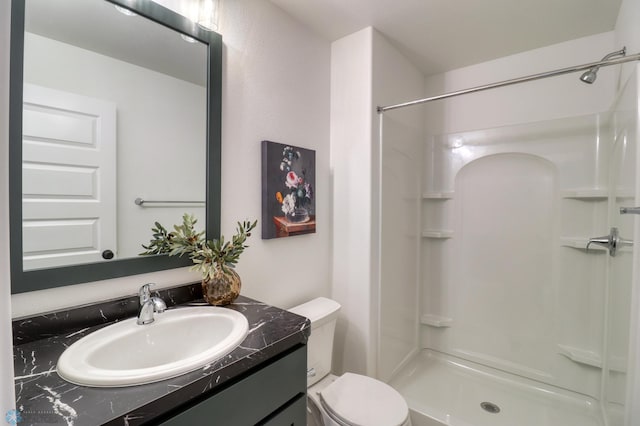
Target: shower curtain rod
{"points": [[629, 58]]}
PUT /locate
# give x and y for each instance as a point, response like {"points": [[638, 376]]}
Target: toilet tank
{"points": [[322, 313]]}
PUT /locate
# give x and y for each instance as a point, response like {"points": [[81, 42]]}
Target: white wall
{"points": [[276, 87], [7, 395], [351, 176]]}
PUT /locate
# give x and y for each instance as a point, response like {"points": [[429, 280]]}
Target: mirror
{"points": [[114, 124]]}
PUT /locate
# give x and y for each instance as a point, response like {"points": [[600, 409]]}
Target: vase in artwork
{"points": [[298, 215]]}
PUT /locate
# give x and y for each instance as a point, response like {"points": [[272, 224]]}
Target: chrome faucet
{"points": [[149, 305]]}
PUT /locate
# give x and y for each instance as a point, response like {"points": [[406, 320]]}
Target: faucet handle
{"points": [[158, 305], [145, 292]]}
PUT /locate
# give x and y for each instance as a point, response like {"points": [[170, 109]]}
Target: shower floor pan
{"points": [[444, 390]]}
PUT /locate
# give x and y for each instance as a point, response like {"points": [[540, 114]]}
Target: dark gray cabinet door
{"points": [[274, 396]]}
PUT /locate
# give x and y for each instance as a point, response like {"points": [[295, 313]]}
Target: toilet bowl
{"points": [[356, 400], [350, 399]]}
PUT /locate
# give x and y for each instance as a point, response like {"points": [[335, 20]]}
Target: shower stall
{"points": [[506, 266]]}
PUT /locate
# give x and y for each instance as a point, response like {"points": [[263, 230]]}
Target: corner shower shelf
{"points": [[581, 356], [437, 195], [436, 321], [595, 194], [587, 194], [438, 234]]}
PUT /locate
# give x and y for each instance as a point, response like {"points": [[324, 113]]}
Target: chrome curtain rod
{"points": [[629, 58], [140, 202]]}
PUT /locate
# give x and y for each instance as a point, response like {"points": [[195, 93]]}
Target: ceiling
{"points": [[441, 35]]}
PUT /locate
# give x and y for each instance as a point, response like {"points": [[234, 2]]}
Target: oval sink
{"points": [[178, 341]]}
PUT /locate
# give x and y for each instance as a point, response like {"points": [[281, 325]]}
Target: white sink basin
{"points": [[178, 341]]}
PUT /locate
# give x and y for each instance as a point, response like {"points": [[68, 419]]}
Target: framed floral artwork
{"points": [[288, 190]]}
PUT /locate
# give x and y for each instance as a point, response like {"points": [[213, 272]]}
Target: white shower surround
{"points": [[509, 280], [511, 274], [509, 106]]}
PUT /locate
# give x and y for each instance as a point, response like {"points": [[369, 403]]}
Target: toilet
{"points": [[350, 399]]}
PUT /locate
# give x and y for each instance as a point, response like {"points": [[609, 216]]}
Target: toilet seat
{"points": [[357, 400]]}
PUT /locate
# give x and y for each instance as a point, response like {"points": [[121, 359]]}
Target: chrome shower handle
{"points": [[611, 242], [601, 241]]}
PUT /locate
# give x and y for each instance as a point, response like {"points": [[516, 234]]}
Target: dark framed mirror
{"points": [[115, 123]]}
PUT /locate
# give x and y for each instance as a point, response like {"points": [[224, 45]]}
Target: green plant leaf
{"points": [[208, 256]]}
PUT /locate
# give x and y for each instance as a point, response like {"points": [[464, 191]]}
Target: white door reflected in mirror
{"points": [[68, 184]]}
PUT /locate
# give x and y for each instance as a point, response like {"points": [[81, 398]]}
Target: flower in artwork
{"points": [[289, 204], [288, 155], [301, 191], [279, 197], [308, 191], [292, 180]]}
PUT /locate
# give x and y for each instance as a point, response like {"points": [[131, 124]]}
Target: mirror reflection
{"points": [[115, 109]]}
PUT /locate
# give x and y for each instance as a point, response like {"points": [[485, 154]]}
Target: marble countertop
{"points": [[43, 398]]}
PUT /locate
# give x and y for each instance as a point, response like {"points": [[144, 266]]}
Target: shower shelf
{"points": [[591, 194], [438, 234], [581, 356], [437, 195], [594, 194], [436, 321]]}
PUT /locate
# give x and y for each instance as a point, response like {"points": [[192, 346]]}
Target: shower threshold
{"points": [[443, 390]]}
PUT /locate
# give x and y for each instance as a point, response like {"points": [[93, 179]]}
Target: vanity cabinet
{"points": [[274, 395], [262, 381]]}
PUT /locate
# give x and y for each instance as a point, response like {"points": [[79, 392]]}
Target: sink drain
{"points": [[490, 407]]}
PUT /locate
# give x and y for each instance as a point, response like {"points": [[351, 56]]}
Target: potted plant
{"points": [[214, 259]]}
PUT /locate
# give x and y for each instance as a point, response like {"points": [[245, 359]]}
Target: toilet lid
{"points": [[362, 401]]}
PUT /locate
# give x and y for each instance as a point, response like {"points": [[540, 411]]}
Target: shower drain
{"points": [[490, 407]]}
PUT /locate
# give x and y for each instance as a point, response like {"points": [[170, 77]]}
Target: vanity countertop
{"points": [[43, 398]]}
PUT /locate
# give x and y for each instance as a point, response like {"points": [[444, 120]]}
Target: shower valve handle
{"points": [[611, 242], [601, 241]]}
